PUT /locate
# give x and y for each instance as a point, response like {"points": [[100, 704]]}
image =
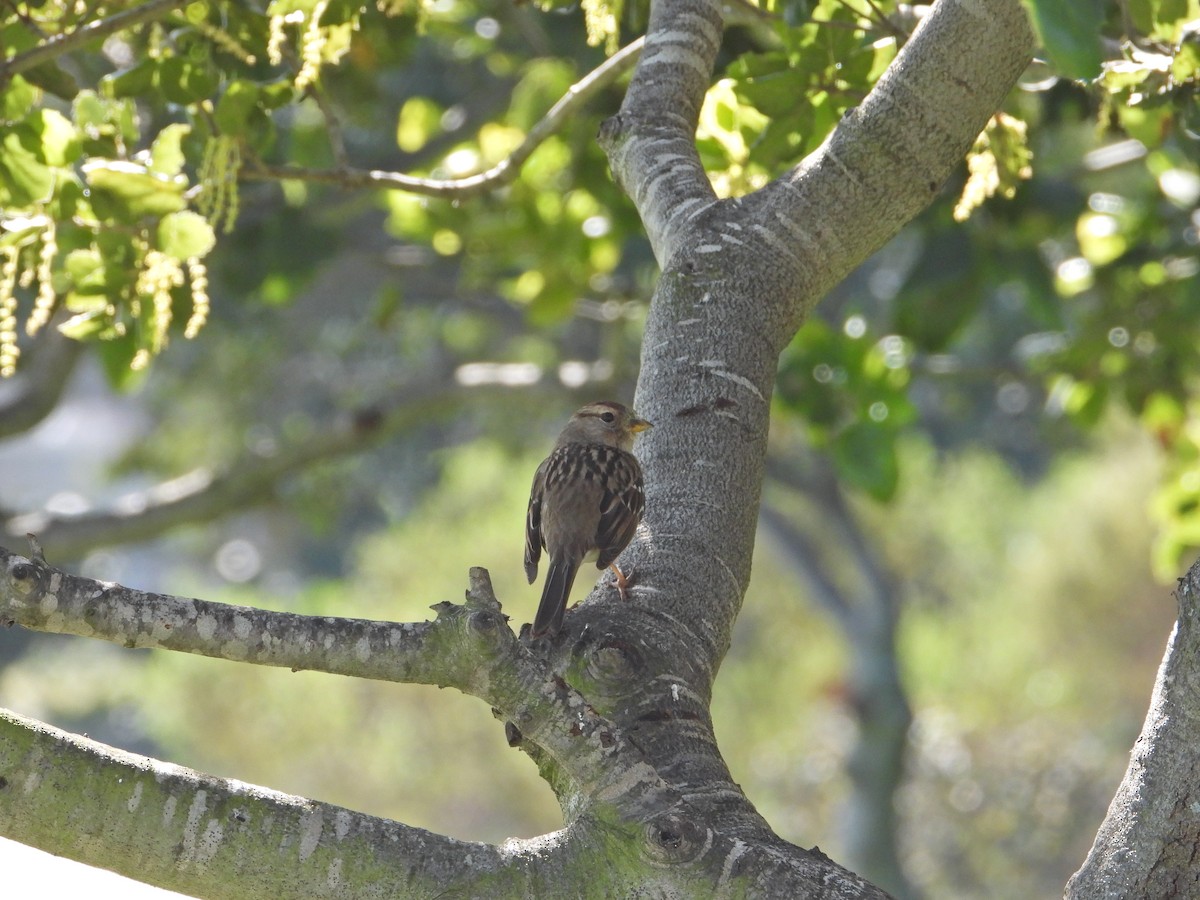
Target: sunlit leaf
{"points": [[59, 140], [16, 99], [185, 235], [131, 191], [24, 177], [166, 154]]}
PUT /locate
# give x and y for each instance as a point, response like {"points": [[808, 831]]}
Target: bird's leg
{"points": [[622, 581]]}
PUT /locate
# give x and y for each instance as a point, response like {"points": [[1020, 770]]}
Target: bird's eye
{"points": [[608, 417]]}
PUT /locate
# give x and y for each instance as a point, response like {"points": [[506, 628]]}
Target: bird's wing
{"points": [[621, 505], [533, 523]]}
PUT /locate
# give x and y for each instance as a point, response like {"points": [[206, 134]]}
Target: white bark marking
{"points": [[728, 571], [362, 649], [687, 204], [333, 877], [711, 30], [210, 843], [135, 799], [715, 366], [311, 827], [191, 827], [674, 54], [242, 626], [785, 247], [735, 853], [628, 780]]}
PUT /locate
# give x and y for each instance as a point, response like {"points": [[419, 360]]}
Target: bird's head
{"points": [[603, 422]]}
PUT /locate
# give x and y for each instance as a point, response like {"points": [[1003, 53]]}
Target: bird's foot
{"points": [[623, 580]]}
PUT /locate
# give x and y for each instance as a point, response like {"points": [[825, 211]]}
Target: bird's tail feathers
{"points": [[559, 579]]}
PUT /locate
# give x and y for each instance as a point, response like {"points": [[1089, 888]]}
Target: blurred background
{"points": [[982, 477]]}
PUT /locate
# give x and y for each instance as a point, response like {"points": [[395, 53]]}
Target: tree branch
{"points": [[504, 172], [61, 44], [205, 836], [651, 142], [617, 800], [203, 495], [468, 648], [1148, 843], [740, 274], [888, 157]]}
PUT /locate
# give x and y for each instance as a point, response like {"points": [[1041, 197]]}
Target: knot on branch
{"points": [[672, 839], [1187, 590], [610, 132], [615, 668], [481, 612], [26, 577]]}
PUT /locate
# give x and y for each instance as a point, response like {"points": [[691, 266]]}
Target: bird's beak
{"points": [[638, 425]]}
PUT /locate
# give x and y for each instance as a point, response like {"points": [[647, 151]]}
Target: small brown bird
{"points": [[585, 504]]}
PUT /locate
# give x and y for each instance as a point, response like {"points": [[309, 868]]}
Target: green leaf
{"points": [[86, 325], [166, 154], [116, 356], [136, 81], [1070, 33], [89, 110], [17, 99], [128, 191], [103, 120], [865, 455], [235, 107], [24, 179], [185, 235], [18, 233], [60, 141], [185, 81], [85, 268], [419, 120]]}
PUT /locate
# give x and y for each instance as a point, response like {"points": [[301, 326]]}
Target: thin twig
{"points": [[61, 44], [499, 175], [333, 127]]}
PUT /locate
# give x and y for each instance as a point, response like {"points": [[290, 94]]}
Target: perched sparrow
{"points": [[585, 504]]}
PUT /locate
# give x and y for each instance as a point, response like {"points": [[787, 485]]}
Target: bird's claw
{"points": [[623, 581]]}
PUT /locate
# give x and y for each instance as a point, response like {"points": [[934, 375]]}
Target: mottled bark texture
{"points": [[615, 709]]}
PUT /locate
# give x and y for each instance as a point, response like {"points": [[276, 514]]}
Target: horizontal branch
{"points": [[503, 173], [179, 829], [202, 494], [469, 648]]}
